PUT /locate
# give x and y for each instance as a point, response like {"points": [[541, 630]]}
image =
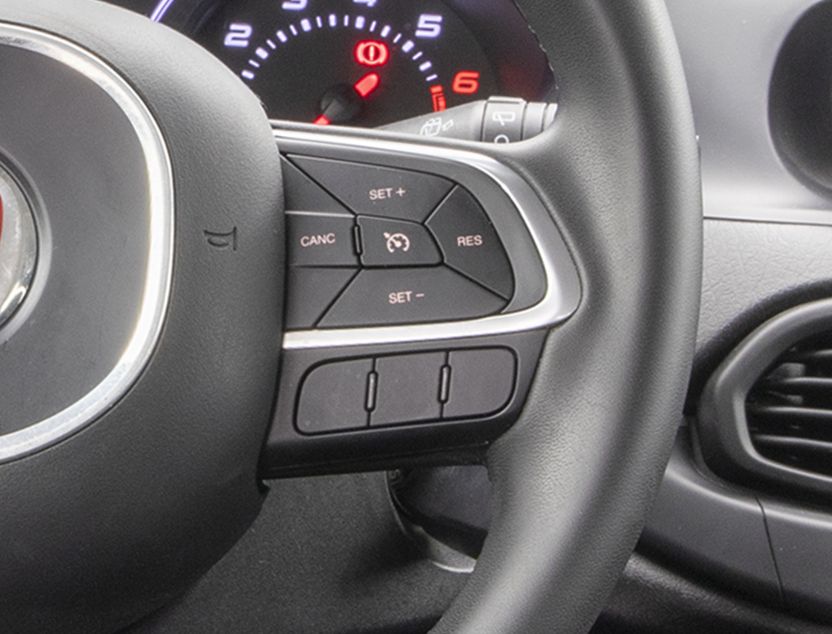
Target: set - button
{"points": [[411, 248]]}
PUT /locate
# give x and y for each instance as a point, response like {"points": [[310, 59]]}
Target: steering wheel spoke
{"points": [[422, 278]]}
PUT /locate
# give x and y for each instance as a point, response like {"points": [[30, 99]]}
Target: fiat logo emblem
{"points": [[18, 246]]}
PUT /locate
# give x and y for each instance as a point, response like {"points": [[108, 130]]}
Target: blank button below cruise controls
{"points": [[482, 382], [333, 397], [407, 296], [408, 389], [470, 242], [396, 243], [378, 191], [321, 240]]}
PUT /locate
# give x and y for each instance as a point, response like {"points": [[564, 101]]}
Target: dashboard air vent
{"points": [[789, 410], [765, 417]]}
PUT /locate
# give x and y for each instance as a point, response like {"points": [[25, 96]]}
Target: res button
{"points": [[378, 191], [470, 242]]}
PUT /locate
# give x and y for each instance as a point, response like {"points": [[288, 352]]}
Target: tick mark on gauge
{"points": [[282, 37], [386, 31], [360, 21], [293, 30]]}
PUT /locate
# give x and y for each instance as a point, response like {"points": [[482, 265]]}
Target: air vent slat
{"points": [[804, 454], [803, 386], [787, 415], [822, 358]]}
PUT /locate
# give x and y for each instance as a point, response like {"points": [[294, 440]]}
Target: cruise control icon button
{"points": [[407, 296], [470, 243], [396, 243], [378, 191], [321, 240]]}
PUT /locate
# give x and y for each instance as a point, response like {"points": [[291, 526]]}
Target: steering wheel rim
{"points": [[596, 433], [619, 174]]}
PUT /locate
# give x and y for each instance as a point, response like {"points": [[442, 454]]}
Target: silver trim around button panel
{"points": [[156, 291], [563, 289]]}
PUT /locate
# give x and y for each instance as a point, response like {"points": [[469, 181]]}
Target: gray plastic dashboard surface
{"points": [[729, 50]]}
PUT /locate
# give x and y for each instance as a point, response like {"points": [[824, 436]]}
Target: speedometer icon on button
{"points": [[18, 246]]}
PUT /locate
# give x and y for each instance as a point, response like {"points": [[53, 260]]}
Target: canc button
{"points": [[407, 296], [321, 240], [378, 191], [470, 243]]}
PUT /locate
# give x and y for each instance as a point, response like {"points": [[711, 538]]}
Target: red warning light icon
{"points": [[372, 53]]}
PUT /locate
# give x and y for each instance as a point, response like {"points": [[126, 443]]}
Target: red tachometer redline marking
{"points": [[322, 120], [367, 84]]}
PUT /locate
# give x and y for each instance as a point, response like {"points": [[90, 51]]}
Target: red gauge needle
{"points": [[343, 102], [367, 84]]}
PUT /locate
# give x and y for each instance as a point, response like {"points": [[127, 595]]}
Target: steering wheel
{"points": [[144, 355]]}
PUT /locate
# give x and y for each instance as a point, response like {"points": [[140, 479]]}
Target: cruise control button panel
{"points": [[423, 281], [417, 248]]}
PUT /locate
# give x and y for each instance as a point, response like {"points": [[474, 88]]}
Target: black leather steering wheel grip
{"points": [[119, 518]]}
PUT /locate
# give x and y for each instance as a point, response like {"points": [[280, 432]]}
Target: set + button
{"points": [[378, 191]]}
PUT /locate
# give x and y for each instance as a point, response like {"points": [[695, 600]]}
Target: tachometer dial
{"points": [[366, 62]]}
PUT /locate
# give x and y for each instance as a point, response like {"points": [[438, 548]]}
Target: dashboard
{"points": [[365, 62]]}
